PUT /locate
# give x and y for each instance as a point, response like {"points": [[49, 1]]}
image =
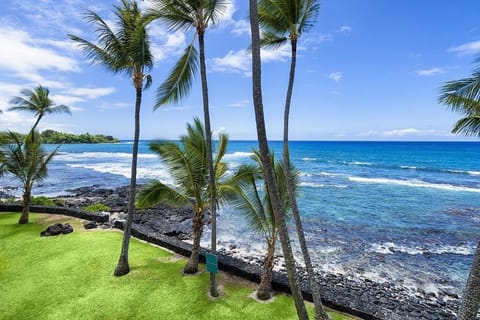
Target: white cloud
{"points": [[240, 61], [336, 76], [91, 93], [403, 133], [345, 29], [430, 72], [240, 27], [468, 48], [239, 104], [23, 56]]}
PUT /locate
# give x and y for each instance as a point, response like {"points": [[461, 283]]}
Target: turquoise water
{"points": [[407, 212]]}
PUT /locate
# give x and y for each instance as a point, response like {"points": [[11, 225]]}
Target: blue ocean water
{"points": [[407, 212]]}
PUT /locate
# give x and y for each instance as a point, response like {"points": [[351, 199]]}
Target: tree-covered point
{"points": [[55, 137]]}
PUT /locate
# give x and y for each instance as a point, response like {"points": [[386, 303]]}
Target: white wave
{"points": [[101, 155], [391, 248], [329, 174], [359, 163], [414, 183], [312, 185], [238, 154], [124, 169], [474, 173], [309, 159], [409, 167]]}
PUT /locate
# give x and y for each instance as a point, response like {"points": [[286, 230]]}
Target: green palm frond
{"points": [[125, 50], [286, 18], [25, 158], [272, 40], [156, 192], [469, 126], [180, 80], [178, 15], [187, 164]]}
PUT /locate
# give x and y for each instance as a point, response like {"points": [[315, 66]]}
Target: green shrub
{"points": [[97, 207], [42, 201]]}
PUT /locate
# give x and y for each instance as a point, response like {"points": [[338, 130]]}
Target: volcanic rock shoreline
{"points": [[169, 227]]}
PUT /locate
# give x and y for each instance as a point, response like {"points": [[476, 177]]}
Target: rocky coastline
{"points": [[170, 227]]}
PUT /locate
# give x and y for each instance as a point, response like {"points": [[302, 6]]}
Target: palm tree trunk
{"points": [[192, 263], [26, 206], [264, 291], [36, 123], [471, 297], [269, 176], [211, 172], [123, 267], [320, 313]]}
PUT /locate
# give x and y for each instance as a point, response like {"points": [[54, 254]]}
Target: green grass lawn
{"points": [[71, 277]]}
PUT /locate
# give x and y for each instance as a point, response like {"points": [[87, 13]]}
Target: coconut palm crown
{"points": [[38, 102], [24, 158], [125, 50]]}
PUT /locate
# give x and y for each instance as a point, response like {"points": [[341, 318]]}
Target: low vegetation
{"points": [[97, 207], [69, 277], [42, 201], [55, 137]]}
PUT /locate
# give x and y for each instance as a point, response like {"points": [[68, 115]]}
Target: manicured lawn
{"points": [[71, 277]]}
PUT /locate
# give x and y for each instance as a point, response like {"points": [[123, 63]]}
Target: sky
{"points": [[367, 70]]}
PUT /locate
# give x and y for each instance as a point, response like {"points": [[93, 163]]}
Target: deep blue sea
{"points": [[399, 211]]}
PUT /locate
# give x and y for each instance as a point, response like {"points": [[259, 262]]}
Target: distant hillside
{"points": [[55, 137]]}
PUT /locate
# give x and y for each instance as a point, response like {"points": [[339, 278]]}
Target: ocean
{"points": [[403, 212]]}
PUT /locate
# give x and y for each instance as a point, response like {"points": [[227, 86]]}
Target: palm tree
{"points": [[38, 102], [24, 158], [187, 163], [197, 15], [464, 96], [255, 204], [125, 50], [268, 169], [282, 21]]}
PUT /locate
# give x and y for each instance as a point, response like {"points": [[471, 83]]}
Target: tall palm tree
{"points": [[24, 158], [185, 15], [268, 169], [255, 204], [123, 50], [187, 163], [286, 21], [464, 96], [38, 102]]}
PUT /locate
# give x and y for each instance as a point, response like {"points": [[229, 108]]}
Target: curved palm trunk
{"points": [[123, 267], [264, 291], [471, 296], [36, 123], [268, 170], [211, 172], [192, 263], [320, 313], [27, 195]]}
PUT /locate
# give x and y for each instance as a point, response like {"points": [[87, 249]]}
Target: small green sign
{"points": [[212, 262]]}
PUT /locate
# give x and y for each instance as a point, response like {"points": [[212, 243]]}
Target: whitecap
{"points": [[414, 183], [312, 185], [391, 248], [238, 154], [309, 159]]}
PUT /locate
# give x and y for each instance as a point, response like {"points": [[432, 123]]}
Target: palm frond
{"points": [[156, 192], [180, 80], [271, 40], [469, 126]]}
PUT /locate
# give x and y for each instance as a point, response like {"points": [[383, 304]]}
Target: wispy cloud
{"points": [[345, 29], [336, 76], [240, 61], [469, 48], [239, 104], [430, 72], [25, 57], [404, 133]]}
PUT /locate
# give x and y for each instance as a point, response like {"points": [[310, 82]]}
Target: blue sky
{"points": [[368, 70]]}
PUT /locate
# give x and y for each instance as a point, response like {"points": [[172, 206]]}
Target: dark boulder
{"points": [[56, 229], [90, 225]]}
